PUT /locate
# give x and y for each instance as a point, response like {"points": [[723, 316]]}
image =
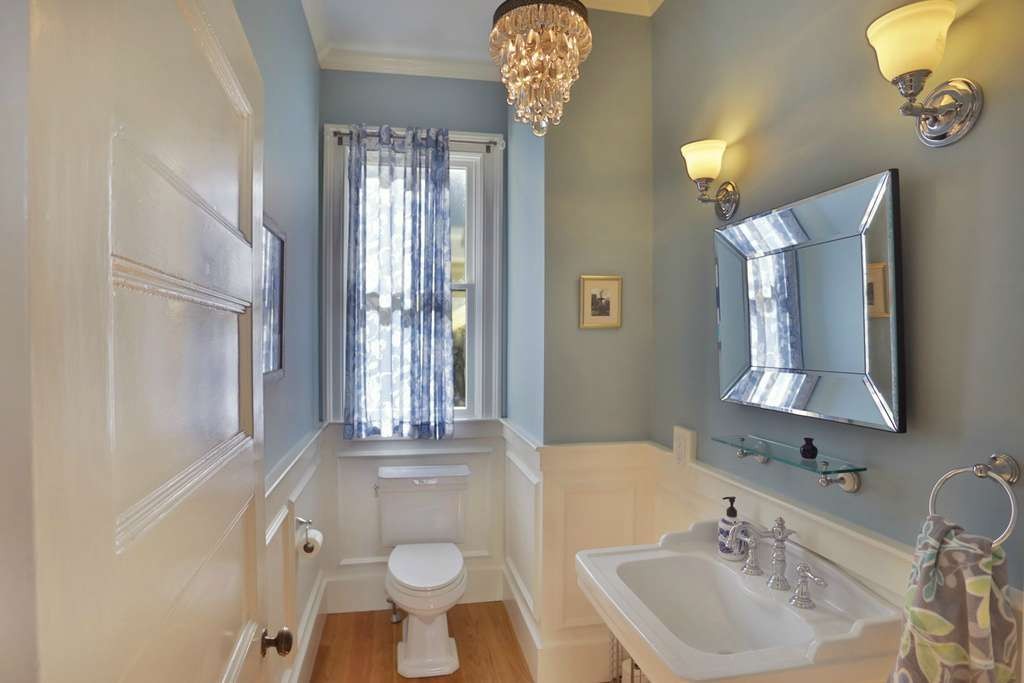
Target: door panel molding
{"points": [[196, 16], [141, 278], [237, 665], [121, 141], [142, 516]]}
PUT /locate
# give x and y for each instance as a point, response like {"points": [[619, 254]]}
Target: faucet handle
{"points": [[779, 531], [746, 531], [805, 573], [802, 595], [752, 567]]}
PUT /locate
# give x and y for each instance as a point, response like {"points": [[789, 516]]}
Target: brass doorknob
{"points": [[282, 642]]}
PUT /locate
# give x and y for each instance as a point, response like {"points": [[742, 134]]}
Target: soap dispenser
{"points": [[725, 525]]}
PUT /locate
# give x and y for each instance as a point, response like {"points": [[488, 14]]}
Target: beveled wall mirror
{"points": [[809, 309]]}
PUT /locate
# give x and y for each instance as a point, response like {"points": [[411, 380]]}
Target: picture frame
{"points": [[273, 260], [600, 302], [876, 292]]}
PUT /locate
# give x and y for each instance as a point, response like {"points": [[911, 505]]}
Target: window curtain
{"points": [[398, 323]]}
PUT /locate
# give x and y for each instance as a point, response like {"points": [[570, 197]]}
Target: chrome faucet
{"points": [[802, 595], [750, 533], [778, 535]]}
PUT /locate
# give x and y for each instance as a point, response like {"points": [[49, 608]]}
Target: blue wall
{"points": [[776, 102], [598, 213], [17, 542], [525, 285], [280, 40], [407, 101]]}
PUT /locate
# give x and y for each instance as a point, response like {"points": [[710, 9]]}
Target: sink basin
{"points": [[730, 621], [685, 615]]}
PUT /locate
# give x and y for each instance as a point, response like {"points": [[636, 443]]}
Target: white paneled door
{"points": [[145, 197]]}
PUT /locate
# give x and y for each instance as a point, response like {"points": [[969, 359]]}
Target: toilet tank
{"points": [[421, 504]]}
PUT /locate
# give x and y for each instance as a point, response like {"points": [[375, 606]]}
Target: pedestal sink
{"points": [[685, 615]]}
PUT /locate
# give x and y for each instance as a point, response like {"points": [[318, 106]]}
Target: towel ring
{"points": [[1000, 468]]}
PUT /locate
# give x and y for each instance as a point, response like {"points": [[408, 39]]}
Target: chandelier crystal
{"points": [[539, 46]]}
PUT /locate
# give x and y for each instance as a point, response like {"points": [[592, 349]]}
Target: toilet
{"points": [[421, 516]]}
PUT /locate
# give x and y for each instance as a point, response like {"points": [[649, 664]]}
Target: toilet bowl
{"points": [[426, 580]]}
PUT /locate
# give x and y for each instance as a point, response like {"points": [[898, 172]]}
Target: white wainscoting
{"points": [[298, 487], [559, 500], [523, 495], [522, 518], [356, 579]]}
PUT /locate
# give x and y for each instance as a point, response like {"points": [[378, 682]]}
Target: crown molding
{"points": [[316, 12], [339, 59], [644, 8], [334, 56]]}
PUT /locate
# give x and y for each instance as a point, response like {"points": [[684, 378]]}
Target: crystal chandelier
{"points": [[539, 46]]}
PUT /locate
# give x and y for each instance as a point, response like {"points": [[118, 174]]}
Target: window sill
{"points": [[465, 428]]}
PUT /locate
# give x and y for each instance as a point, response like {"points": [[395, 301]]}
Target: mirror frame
{"points": [[893, 414]]}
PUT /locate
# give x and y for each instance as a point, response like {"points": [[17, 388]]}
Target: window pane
{"points": [[459, 178], [459, 309]]}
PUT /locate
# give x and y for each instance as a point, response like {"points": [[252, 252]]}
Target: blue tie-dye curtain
{"points": [[398, 323]]}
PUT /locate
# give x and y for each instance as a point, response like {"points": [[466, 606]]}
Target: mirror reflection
{"points": [[808, 307]]}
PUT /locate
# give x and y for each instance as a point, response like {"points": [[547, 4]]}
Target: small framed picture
{"points": [[600, 302], [273, 299], [877, 294]]}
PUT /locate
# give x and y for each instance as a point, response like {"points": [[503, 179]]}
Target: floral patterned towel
{"points": [[959, 624]]}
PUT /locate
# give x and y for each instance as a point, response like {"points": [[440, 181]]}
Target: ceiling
{"points": [[445, 38]]}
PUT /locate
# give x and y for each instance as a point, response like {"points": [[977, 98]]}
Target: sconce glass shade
{"points": [[703, 158], [911, 38]]}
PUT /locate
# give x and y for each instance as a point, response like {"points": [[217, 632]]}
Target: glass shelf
{"points": [[764, 450]]}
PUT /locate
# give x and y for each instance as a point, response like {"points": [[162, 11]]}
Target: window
{"points": [[272, 351], [461, 279], [475, 205]]}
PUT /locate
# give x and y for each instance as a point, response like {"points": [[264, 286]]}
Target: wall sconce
{"points": [[704, 163], [909, 42]]}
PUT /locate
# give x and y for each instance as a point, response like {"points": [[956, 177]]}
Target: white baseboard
{"points": [[363, 590], [310, 630], [581, 659], [523, 625]]}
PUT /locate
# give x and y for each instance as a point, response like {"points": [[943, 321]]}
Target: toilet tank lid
{"points": [[423, 471]]}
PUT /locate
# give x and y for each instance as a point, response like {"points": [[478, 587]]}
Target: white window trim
{"points": [[484, 382]]}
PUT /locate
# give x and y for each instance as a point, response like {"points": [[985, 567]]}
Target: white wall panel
{"points": [[522, 519], [357, 563], [358, 516]]}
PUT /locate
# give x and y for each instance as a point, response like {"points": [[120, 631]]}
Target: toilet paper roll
{"points": [[309, 543]]}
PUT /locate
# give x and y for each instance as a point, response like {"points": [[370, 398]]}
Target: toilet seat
{"points": [[425, 567]]}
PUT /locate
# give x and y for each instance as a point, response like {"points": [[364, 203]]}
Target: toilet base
{"points": [[426, 649]]}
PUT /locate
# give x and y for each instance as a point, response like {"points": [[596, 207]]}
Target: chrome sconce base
{"points": [[947, 114], [726, 199]]}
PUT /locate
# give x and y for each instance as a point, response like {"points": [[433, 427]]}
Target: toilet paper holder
{"points": [[307, 524]]}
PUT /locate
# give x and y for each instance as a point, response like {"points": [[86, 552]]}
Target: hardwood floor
{"points": [[360, 648]]}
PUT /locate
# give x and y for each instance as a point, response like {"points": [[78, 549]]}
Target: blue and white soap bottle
{"points": [[725, 525]]}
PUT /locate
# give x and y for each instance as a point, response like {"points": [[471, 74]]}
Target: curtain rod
{"points": [[341, 136]]}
